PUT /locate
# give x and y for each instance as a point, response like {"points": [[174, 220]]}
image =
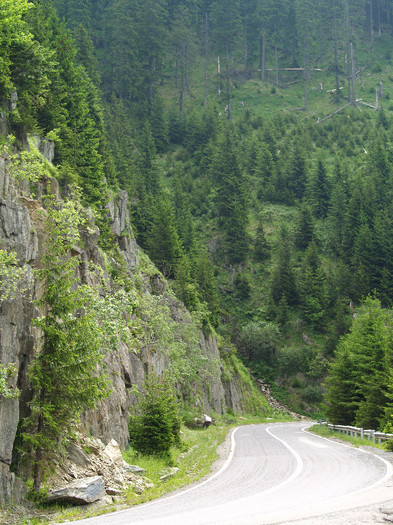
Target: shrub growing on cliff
{"points": [[155, 423], [6, 373], [11, 276]]}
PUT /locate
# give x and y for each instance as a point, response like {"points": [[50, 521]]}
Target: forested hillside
{"points": [[255, 141], [258, 157]]}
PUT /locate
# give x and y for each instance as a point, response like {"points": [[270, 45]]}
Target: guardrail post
{"points": [[372, 434], [362, 433]]}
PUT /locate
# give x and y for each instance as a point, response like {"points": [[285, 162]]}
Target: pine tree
{"points": [[151, 44], [184, 219], [305, 227], [359, 383], [265, 170], [164, 246], [342, 398], [312, 288], [318, 191], [158, 125], [261, 247], [231, 203], [296, 173], [203, 274], [283, 285], [351, 224], [85, 54], [383, 255], [363, 261], [155, 422], [146, 161], [336, 216]]}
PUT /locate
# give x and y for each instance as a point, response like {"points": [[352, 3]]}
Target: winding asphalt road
{"points": [[274, 473]]}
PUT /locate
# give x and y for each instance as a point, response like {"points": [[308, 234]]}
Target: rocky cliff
{"points": [[21, 232]]}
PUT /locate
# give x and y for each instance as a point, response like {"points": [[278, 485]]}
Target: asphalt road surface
{"points": [[274, 474]]}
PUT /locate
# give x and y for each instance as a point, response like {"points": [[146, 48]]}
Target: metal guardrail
{"points": [[373, 435]]}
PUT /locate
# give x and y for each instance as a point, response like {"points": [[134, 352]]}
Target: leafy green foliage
{"points": [[12, 277], [6, 373]]}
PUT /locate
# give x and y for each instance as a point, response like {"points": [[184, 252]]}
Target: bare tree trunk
{"points": [[39, 456], [151, 78], [305, 83], [353, 75], [181, 105], [181, 94], [206, 57], [379, 18], [276, 59], [371, 26], [177, 70], [348, 50], [219, 75], [187, 68], [228, 82], [245, 49], [262, 54], [336, 53], [262, 63], [37, 474]]}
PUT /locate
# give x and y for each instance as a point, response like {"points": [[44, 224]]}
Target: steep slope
{"points": [[204, 379]]}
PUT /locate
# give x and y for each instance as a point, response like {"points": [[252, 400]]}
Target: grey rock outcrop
{"points": [[79, 492], [46, 147], [11, 488], [17, 340], [121, 228]]}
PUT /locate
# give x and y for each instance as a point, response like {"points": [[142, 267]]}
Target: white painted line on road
{"points": [[299, 462]]}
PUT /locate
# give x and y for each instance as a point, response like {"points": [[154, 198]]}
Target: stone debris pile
{"points": [[92, 471]]}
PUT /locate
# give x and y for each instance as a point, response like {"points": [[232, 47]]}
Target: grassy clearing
{"points": [[324, 431]]}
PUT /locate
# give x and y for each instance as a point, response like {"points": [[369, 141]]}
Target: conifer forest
{"points": [[255, 141]]}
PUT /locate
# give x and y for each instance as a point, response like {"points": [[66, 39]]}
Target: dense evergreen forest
{"points": [[255, 141]]}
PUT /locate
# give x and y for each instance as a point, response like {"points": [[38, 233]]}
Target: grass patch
{"points": [[324, 431]]}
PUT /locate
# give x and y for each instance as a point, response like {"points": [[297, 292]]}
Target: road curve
{"points": [[274, 473]]}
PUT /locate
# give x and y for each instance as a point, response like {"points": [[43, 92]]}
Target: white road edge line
{"points": [[181, 493], [389, 467]]}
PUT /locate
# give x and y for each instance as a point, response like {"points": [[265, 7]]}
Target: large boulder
{"points": [[80, 491]]}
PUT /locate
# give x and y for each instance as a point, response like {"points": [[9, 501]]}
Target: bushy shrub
{"points": [[155, 423]]}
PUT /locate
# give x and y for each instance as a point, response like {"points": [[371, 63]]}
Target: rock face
{"points": [[16, 338], [21, 232]]}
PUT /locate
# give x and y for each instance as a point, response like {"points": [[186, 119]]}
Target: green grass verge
{"points": [[323, 430]]}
